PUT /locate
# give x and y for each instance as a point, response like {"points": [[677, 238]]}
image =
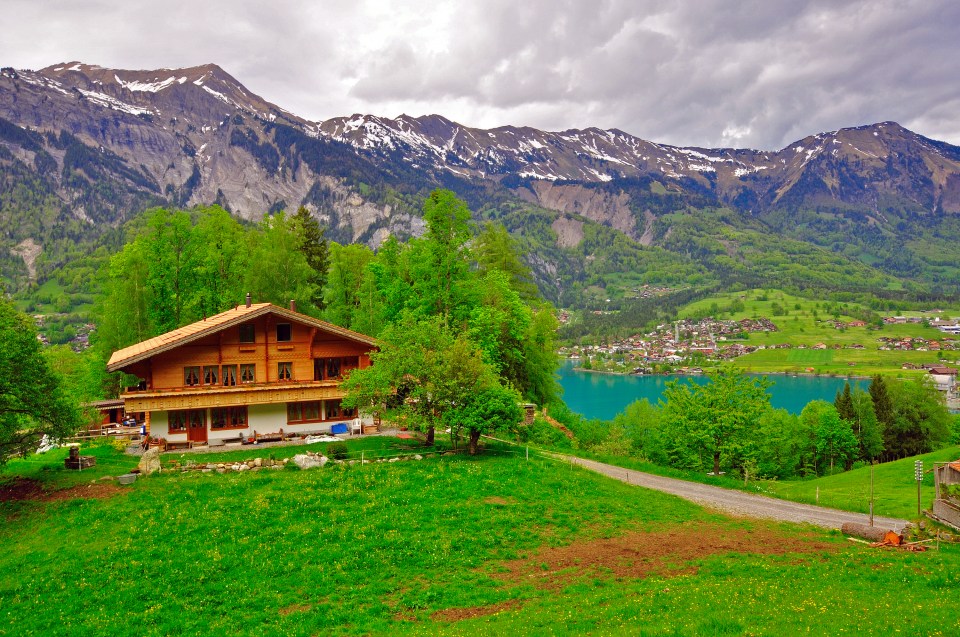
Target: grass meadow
{"points": [[448, 545]]}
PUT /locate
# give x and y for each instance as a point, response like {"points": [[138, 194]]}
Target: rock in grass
{"points": [[305, 461], [150, 461]]}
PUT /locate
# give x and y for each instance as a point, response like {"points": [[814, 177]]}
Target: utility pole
{"points": [[918, 474]]}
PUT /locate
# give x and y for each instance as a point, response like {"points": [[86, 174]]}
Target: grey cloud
{"points": [[707, 72]]}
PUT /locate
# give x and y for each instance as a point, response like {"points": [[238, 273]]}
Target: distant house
{"points": [[945, 378], [255, 368]]}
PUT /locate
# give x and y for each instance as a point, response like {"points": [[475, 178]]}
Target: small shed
{"points": [[946, 506], [529, 412]]}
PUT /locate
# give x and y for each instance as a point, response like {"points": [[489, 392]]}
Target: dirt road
{"points": [[738, 502]]}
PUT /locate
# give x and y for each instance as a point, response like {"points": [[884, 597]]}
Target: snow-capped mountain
{"points": [[106, 142]]}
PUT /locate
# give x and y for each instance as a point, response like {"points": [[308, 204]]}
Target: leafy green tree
{"points": [[866, 426], [313, 246], [495, 249], [222, 249], [499, 323], [123, 307], [393, 278], [432, 371], [485, 411], [835, 439], [541, 384], [809, 423], [921, 420], [33, 400], [712, 424], [172, 267], [346, 278], [440, 263], [778, 444], [279, 272], [639, 422]]}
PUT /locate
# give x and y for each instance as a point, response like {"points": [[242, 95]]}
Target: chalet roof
{"points": [[212, 325], [943, 371]]}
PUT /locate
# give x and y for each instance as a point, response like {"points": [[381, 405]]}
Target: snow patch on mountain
{"points": [[113, 103], [149, 87]]}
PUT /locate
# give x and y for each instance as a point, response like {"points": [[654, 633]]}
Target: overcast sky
{"points": [[757, 74]]}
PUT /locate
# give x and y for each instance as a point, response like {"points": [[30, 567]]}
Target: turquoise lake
{"points": [[604, 396]]}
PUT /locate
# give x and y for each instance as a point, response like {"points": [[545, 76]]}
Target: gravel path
{"points": [[738, 502]]}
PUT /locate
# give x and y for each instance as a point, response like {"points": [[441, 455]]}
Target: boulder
{"points": [[305, 461], [150, 461]]}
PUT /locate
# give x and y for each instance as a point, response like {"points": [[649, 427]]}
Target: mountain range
{"points": [[84, 148]]}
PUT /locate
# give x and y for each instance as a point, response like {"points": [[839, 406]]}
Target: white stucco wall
{"points": [[158, 427], [263, 419]]}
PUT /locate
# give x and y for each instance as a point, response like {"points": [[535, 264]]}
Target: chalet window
{"points": [[283, 332], [180, 419], [248, 333], [228, 417], [177, 421], [229, 375], [248, 373], [317, 411], [336, 411], [284, 371], [308, 411], [348, 363], [333, 367], [191, 376], [294, 412], [211, 375]]}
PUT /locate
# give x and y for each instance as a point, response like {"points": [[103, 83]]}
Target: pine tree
{"points": [[313, 246], [844, 403], [883, 408]]}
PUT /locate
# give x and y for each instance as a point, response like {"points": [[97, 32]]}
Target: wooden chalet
{"points": [[255, 368]]}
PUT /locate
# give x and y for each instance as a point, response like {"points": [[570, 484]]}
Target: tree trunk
{"points": [[474, 441], [716, 463], [430, 433]]}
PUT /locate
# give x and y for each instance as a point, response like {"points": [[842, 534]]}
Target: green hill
{"points": [[894, 487]]}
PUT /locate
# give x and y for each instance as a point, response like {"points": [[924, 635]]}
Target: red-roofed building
{"points": [[255, 368]]}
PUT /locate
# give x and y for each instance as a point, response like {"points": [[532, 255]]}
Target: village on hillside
{"points": [[683, 346]]}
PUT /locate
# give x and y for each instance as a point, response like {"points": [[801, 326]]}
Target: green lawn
{"points": [[447, 545]]}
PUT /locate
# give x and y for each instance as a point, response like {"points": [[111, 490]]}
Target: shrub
{"points": [[337, 450]]}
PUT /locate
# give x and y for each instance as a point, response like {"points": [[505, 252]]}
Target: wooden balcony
{"points": [[203, 396]]}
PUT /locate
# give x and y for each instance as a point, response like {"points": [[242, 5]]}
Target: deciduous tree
{"points": [[711, 425], [33, 401]]}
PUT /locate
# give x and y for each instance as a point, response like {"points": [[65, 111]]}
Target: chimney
{"points": [[248, 299], [293, 305]]}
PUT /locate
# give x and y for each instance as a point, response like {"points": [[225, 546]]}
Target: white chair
{"points": [[356, 426]]}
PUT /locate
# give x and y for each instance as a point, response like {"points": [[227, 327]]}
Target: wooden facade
{"points": [[253, 355]]}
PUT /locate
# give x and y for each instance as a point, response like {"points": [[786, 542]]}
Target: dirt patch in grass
{"points": [[457, 614], [21, 489], [295, 608], [662, 553], [498, 500]]}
